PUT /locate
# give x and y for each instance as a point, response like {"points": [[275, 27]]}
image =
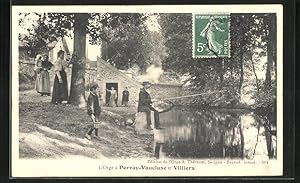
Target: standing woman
{"points": [[125, 97], [113, 97], [43, 86], [60, 86], [38, 70]]}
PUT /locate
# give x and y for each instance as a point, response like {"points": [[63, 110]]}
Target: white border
{"points": [[87, 167]]}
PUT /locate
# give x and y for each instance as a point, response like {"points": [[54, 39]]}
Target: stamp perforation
{"points": [[194, 55]]}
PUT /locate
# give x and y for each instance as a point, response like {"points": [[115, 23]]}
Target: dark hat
{"points": [[46, 55], [60, 52], [146, 83], [93, 85]]}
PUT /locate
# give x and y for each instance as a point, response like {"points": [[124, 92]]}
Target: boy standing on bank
{"points": [[93, 110]]}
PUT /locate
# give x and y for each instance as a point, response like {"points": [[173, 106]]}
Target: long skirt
{"points": [[112, 100], [42, 83], [60, 90], [212, 43]]}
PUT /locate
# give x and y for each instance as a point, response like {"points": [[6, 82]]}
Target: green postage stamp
{"points": [[211, 35]]}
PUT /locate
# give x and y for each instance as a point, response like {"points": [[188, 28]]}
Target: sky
{"points": [[152, 23]]}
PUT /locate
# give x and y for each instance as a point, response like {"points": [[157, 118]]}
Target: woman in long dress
{"points": [[209, 34], [38, 70], [43, 79], [60, 86], [113, 97]]}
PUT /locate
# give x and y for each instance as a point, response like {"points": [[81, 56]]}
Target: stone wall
{"points": [[108, 74]]}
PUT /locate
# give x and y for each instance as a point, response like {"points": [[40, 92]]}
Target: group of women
{"points": [[60, 85]]}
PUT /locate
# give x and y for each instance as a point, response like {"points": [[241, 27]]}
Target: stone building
{"points": [[108, 76]]}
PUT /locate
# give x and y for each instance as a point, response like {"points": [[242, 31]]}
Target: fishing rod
{"points": [[193, 95]]}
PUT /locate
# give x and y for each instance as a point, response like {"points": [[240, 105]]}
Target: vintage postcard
{"points": [[147, 91]]}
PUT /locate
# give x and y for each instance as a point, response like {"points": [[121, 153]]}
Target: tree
{"points": [[60, 24], [177, 29], [270, 27], [132, 44], [249, 37], [140, 47], [36, 38], [77, 91], [241, 44]]}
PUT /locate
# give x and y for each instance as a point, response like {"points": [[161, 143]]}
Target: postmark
{"points": [[211, 35]]}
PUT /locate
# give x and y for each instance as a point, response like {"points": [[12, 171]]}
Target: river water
{"points": [[198, 133]]}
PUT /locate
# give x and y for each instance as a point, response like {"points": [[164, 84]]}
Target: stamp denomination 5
{"points": [[211, 35]]}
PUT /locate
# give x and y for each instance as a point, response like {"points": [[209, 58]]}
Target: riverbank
{"points": [[57, 131]]}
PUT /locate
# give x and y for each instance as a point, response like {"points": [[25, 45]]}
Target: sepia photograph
{"points": [[114, 91]]}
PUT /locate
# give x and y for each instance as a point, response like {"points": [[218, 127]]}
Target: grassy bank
{"points": [[57, 131]]}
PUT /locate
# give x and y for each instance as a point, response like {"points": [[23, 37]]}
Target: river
{"points": [[201, 133]]}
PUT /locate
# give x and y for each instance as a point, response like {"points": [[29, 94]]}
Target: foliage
{"points": [[36, 38], [108, 26], [249, 35], [47, 26], [127, 36], [140, 47], [55, 25], [129, 42]]}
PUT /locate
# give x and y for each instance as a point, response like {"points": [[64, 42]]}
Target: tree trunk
{"points": [[268, 69], [221, 73], [242, 155], [241, 74], [268, 137], [270, 48], [77, 91], [274, 38], [104, 50], [256, 78]]}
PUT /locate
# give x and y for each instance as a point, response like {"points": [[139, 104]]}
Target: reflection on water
{"points": [[190, 133]]}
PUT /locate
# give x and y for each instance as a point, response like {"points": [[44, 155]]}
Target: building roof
{"points": [[165, 78], [22, 40], [115, 70], [90, 63]]}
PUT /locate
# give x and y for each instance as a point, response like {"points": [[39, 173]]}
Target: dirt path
{"points": [[57, 131]]}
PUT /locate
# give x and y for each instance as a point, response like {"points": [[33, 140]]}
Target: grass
{"points": [[57, 131], [26, 86]]}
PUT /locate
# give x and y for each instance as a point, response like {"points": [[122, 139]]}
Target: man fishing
{"points": [[144, 105]]}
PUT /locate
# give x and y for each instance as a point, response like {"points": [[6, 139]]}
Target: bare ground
{"points": [[57, 131]]}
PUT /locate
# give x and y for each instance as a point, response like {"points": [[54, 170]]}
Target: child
{"points": [[93, 110]]}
